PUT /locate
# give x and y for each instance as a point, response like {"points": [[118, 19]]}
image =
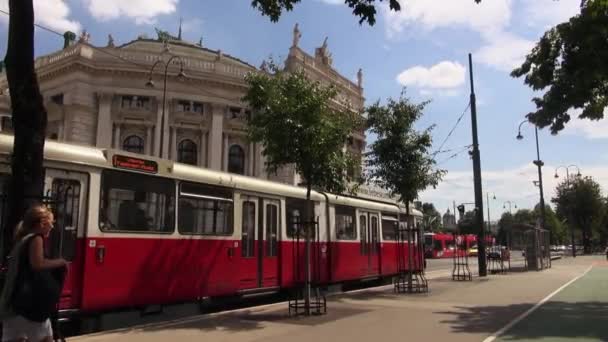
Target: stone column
{"points": [[214, 142], [173, 144], [149, 140], [104, 121], [167, 132], [159, 113], [117, 144], [251, 159], [225, 153], [201, 150], [261, 162], [61, 131]]}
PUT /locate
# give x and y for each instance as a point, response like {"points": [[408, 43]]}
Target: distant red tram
{"points": [[140, 232]]}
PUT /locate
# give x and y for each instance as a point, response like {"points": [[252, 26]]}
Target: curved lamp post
{"points": [[578, 174], [504, 206], [539, 163], [150, 84]]}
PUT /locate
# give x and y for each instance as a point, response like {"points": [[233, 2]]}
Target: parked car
{"points": [[473, 251], [494, 253]]}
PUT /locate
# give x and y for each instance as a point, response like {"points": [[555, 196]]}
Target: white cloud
{"points": [[53, 14], [443, 75], [546, 13], [458, 186], [590, 129], [431, 14], [505, 51], [142, 11], [333, 2]]}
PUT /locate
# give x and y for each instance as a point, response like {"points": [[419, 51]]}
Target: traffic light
{"points": [[460, 211]]}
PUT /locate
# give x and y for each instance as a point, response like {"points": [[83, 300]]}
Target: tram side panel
{"points": [[135, 256]]}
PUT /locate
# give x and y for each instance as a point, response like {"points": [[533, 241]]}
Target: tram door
{"points": [[66, 191], [369, 224], [259, 242]]}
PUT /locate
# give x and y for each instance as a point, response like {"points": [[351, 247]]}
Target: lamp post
{"points": [[539, 163], [567, 168], [510, 203], [150, 84], [488, 204]]}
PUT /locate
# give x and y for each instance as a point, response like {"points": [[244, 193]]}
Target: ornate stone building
{"points": [[112, 97]]}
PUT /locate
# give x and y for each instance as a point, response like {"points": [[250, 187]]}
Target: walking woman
{"points": [[33, 283]]}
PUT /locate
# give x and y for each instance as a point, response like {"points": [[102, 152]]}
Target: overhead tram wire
{"points": [[144, 67], [453, 129], [465, 148]]}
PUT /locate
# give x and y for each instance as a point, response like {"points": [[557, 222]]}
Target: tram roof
{"points": [[102, 158]]}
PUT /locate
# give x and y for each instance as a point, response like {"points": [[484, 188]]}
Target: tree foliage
{"points": [[366, 10], [432, 217], [467, 225], [580, 203], [399, 160], [525, 219], [569, 62], [297, 123]]}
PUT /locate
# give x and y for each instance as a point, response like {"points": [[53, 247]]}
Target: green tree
{"points": [[28, 115], [580, 203], [366, 10], [467, 225], [298, 123], [400, 160], [569, 64], [505, 227], [432, 217], [553, 224]]}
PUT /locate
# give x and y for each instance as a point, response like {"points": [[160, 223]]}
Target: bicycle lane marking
{"points": [[519, 318]]}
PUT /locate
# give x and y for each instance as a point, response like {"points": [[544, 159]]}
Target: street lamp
{"points": [[539, 163], [488, 205], [150, 84], [504, 206], [578, 174]]}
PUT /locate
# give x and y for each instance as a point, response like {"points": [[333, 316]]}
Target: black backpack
{"points": [[36, 293]]}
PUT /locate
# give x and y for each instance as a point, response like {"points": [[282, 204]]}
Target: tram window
{"points": [[248, 226], [375, 238], [66, 208], [389, 229], [205, 210], [363, 229], [295, 215], [345, 223], [136, 203], [437, 245], [272, 216]]}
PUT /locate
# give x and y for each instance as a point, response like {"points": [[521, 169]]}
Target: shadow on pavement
{"points": [[552, 320]]}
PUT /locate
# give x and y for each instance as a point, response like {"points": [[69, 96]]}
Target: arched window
{"points": [[7, 124], [236, 160], [186, 152], [133, 144]]}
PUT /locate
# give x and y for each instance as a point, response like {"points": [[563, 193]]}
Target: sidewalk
{"points": [[578, 313], [458, 311]]}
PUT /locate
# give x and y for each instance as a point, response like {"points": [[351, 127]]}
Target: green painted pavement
{"points": [[577, 313]]}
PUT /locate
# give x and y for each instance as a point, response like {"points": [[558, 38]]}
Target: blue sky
{"points": [[423, 47]]}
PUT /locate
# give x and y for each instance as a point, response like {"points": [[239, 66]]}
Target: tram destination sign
{"points": [[135, 164]]}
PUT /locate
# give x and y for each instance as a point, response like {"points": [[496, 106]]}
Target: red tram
{"points": [[140, 232]]}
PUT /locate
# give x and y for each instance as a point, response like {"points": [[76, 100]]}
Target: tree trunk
{"points": [[410, 254], [28, 115], [308, 226]]}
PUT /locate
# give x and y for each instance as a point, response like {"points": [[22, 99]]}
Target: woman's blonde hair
{"points": [[31, 219]]}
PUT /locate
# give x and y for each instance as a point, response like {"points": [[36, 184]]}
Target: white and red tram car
{"points": [[141, 231]]}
